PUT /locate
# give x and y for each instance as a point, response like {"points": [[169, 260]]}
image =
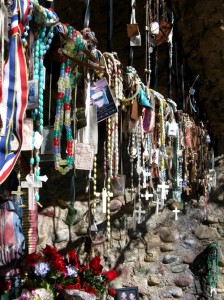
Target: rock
{"points": [[115, 205], [183, 281], [179, 268], [169, 234], [62, 236], [48, 212], [162, 270], [169, 259], [167, 247], [221, 261], [211, 219], [153, 297], [153, 280], [190, 241], [220, 282], [204, 232], [151, 256], [176, 292]]}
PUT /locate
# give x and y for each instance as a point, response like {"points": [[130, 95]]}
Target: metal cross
{"points": [[187, 190], [176, 211], [31, 185], [147, 195], [18, 194], [139, 212], [164, 192]]}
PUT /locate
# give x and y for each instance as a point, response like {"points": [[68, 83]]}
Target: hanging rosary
{"points": [[213, 271]]}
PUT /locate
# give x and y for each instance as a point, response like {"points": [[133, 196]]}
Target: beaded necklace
{"points": [[213, 259], [63, 115]]}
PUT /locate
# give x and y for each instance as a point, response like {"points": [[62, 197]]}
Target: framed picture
{"points": [[128, 293]]}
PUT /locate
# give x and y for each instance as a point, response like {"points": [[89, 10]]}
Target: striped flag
{"points": [[15, 90]]}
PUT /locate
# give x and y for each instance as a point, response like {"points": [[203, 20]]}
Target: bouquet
{"points": [[51, 271]]}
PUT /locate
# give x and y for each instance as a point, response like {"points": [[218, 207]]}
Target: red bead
{"points": [[60, 95], [69, 144], [67, 69], [67, 106], [63, 59], [56, 142]]}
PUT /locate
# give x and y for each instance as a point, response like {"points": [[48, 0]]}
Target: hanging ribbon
{"points": [[87, 13], [15, 90]]}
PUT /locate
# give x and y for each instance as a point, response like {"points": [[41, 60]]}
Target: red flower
{"points": [[73, 286], [32, 259], [73, 258], [59, 264], [50, 252], [112, 292], [96, 266], [89, 289], [111, 275]]}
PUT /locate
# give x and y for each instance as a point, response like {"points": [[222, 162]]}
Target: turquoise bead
{"points": [[36, 77], [47, 47], [36, 72], [42, 35], [41, 121], [38, 160], [41, 115], [41, 109], [49, 41], [41, 64], [37, 196], [41, 103], [40, 91], [37, 172], [32, 161], [36, 60], [41, 97], [41, 79], [41, 127], [36, 65], [41, 52]]}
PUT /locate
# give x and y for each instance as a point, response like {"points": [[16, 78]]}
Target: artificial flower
{"points": [[41, 269], [96, 266], [111, 275]]}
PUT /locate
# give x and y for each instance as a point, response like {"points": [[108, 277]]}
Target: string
{"points": [[110, 26]]}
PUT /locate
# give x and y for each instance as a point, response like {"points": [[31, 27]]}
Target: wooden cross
{"points": [[105, 194], [147, 195], [31, 185], [164, 192], [139, 212], [187, 190], [176, 211]]}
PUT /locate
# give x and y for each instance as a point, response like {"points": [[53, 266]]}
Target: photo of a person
{"points": [[123, 296], [127, 293], [132, 296]]}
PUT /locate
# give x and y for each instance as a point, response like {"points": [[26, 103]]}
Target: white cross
{"points": [[147, 195], [179, 180], [164, 192], [158, 203], [146, 175], [31, 184], [176, 211], [139, 212], [105, 194]]}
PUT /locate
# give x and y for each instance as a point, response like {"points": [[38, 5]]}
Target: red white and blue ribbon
{"points": [[15, 90]]}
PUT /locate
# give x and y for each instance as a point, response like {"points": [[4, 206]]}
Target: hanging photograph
{"points": [[32, 94], [128, 293], [100, 95], [84, 156]]}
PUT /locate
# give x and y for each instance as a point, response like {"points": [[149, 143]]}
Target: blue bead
{"points": [[49, 41], [27, 27], [25, 33], [51, 35], [47, 47], [29, 17], [23, 40], [45, 52]]}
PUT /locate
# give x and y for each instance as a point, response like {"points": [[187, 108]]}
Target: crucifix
{"points": [[31, 185], [158, 203], [147, 195], [105, 194], [19, 193], [164, 190], [139, 212], [176, 211], [187, 190]]}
